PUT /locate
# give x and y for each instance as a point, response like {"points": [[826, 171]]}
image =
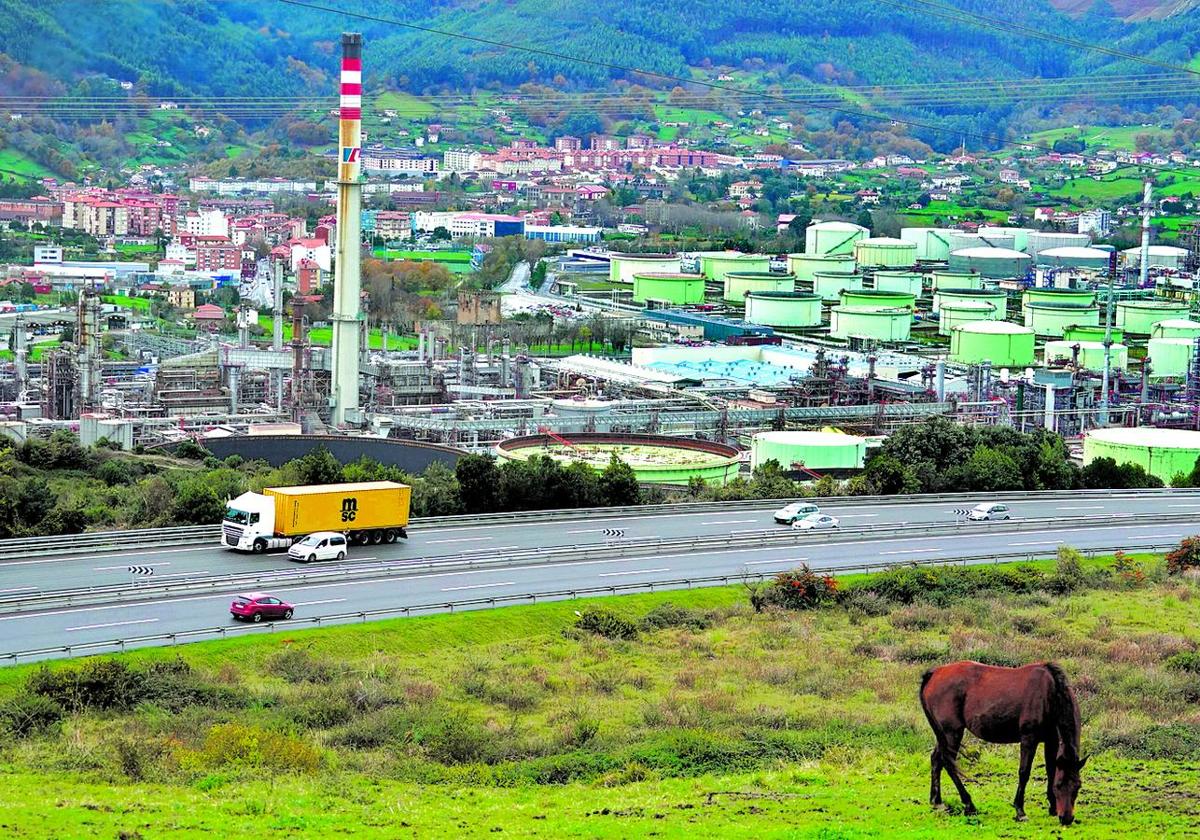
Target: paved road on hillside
{"points": [[174, 614], [36, 574]]}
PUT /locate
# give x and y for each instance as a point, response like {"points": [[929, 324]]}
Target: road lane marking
{"points": [[113, 624], [1038, 542], [1194, 504], [728, 522], [479, 586], [913, 551], [19, 589], [125, 568], [855, 515], [459, 539], [314, 603], [82, 558], [633, 572], [766, 562], [1081, 507]]}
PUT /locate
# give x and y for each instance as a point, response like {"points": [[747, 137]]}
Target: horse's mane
{"points": [[1064, 709]]}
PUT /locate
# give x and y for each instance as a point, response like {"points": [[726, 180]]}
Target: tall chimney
{"points": [[347, 282]]}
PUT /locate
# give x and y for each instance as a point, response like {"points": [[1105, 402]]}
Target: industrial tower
{"points": [[347, 282]]}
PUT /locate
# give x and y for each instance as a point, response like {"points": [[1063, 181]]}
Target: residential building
{"points": [[567, 143], [462, 160], [182, 297], [207, 223], [217, 253], [562, 233], [1096, 222], [604, 143], [392, 224], [37, 209], [399, 161]]}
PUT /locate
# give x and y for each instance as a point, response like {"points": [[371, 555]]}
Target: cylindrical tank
{"points": [[877, 322], [716, 267], [1084, 297], [909, 282], [876, 297], [831, 286], [996, 297], [1050, 319], [1043, 240], [1170, 357], [885, 251], [833, 237], [1096, 333], [738, 283], [678, 289], [1162, 256], [961, 240], [1090, 354], [933, 244], [812, 450], [783, 309], [990, 262], [1074, 257], [804, 266], [1002, 343], [622, 267], [968, 311], [1019, 236], [1138, 317], [1161, 452], [946, 279], [1176, 328]]}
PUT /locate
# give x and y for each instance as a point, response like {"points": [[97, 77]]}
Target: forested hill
{"points": [[266, 48]]}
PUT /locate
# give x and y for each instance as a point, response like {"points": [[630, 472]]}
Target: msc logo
{"points": [[349, 509], [350, 154]]}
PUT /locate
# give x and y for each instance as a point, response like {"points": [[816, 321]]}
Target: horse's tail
{"points": [[1062, 703]]}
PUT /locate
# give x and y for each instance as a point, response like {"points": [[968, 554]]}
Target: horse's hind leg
{"points": [[1029, 747], [1051, 750], [949, 748], [935, 777]]}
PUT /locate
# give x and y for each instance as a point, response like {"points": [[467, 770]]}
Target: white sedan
{"points": [[815, 521]]}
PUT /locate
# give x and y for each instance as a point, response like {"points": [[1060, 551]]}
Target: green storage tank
{"points": [[1083, 297], [1002, 343], [783, 309], [1161, 452], [622, 267], [716, 267], [1082, 333], [804, 266], [833, 237], [1090, 355], [1170, 357], [1050, 319], [831, 286], [876, 297], [996, 297], [885, 251], [1176, 328], [877, 322], [946, 279], [739, 283], [677, 289], [909, 282], [965, 312], [1138, 317], [810, 450]]}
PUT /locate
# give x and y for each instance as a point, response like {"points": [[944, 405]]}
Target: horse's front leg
{"points": [[1029, 747], [1051, 750]]}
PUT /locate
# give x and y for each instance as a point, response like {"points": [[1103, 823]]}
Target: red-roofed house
{"points": [[208, 316], [316, 250]]}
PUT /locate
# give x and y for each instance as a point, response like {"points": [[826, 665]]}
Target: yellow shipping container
{"points": [[365, 506]]}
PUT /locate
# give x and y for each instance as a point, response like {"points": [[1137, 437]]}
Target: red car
{"points": [[256, 606]]}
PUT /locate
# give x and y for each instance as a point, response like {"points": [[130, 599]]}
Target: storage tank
{"points": [[947, 279], [1090, 354], [1018, 235], [678, 289], [1162, 256], [804, 266], [961, 240], [622, 267], [1050, 319], [1176, 328], [784, 309], [933, 244], [877, 322], [1002, 343], [1084, 297], [738, 283], [1138, 317], [812, 450], [1170, 357], [833, 237], [998, 298], [965, 312], [990, 262], [909, 282], [1096, 333], [831, 286], [716, 267], [877, 297], [1074, 257], [1161, 452], [1043, 240], [885, 251]]}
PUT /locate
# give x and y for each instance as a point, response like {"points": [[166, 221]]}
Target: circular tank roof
{"points": [[667, 275], [809, 438], [785, 295], [760, 275], [969, 306], [623, 256], [1165, 305], [1178, 324], [890, 311], [995, 328], [1149, 436], [1160, 251], [1055, 305], [1075, 252], [887, 241], [990, 253], [836, 226]]}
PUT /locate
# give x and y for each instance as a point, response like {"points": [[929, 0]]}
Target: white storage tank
{"points": [[833, 237], [964, 312], [885, 251], [944, 278], [878, 322], [908, 282], [831, 286], [1170, 357], [804, 266], [1088, 355], [1161, 256], [990, 262], [960, 240], [1175, 328], [1044, 240], [1050, 319], [783, 309], [1019, 236], [1074, 257], [933, 244]]}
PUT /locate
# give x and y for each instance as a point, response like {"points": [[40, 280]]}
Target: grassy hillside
{"points": [[689, 714]]}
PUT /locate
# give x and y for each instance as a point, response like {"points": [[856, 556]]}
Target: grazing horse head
{"points": [[1066, 786]]}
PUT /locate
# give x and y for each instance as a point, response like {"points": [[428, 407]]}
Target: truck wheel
{"points": [[260, 546], [358, 537], [376, 537], [389, 536]]}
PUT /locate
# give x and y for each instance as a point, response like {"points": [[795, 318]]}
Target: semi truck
{"points": [[366, 512]]}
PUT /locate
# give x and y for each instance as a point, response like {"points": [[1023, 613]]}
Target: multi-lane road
{"points": [[503, 564]]}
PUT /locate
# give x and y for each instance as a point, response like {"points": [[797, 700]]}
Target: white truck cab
{"points": [[249, 524]]}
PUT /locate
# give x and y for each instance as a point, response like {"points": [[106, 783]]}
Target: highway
{"points": [[441, 581]]}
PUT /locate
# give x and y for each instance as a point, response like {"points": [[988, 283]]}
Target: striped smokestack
{"points": [[350, 113]]}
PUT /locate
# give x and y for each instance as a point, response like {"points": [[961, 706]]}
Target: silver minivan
{"points": [[323, 545], [796, 510], [988, 511]]}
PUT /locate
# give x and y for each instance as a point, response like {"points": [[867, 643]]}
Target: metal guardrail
{"points": [[184, 535], [12, 657], [139, 591]]}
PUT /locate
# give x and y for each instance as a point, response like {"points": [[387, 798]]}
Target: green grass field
{"points": [[711, 720], [407, 105], [323, 336], [15, 162], [1117, 138], [126, 302]]}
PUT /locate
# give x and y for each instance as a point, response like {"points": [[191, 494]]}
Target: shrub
{"points": [[453, 739], [29, 714], [1185, 557], [1128, 571], [865, 602], [297, 665], [802, 589], [670, 615], [98, 684], [602, 622], [1187, 661], [243, 745], [136, 756], [1068, 571]]}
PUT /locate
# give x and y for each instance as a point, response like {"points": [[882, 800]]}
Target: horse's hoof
{"points": [[969, 810], [1021, 818], [939, 806]]}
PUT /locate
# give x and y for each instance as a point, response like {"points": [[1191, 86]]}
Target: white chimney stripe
{"points": [[351, 101], [354, 76]]}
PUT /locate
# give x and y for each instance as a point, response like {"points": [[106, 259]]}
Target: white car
{"points": [[988, 511], [323, 545], [815, 521], [796, 510]]}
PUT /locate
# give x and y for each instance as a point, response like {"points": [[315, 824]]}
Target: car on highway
{"points": [[255, 606], [988, 511], [796, 510], [323, 545], [815, 522]]}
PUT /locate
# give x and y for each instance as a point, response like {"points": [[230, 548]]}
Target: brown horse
{"points": [[1030, 705]]}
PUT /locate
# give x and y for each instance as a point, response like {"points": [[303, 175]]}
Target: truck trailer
{"points": [[366, 512]]}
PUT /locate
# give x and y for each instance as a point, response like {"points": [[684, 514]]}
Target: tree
{"points": [[619, 485], [989, 470], [864, 220], [887, 476], [478, 484], [1107, 474]]}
